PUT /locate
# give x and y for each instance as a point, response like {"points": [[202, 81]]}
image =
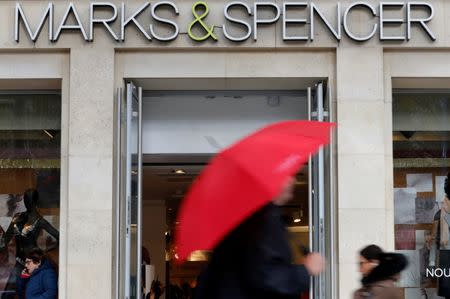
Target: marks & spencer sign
{"points": [[150, 17]]}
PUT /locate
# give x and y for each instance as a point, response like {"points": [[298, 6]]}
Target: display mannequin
{"points": [[25, 228], [441, 233]]}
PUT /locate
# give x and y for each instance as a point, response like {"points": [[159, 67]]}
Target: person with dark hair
{"points": [[369, 258], [38, 280], [255, 259], [379, 283], [25, 228]]}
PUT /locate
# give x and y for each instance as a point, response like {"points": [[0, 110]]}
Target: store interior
{"points": [[30, 159], [164, 187], [171, 162]]}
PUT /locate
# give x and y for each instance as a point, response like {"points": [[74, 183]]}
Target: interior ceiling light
{"points": [[179, 171], [49, 134], [297, 217]]}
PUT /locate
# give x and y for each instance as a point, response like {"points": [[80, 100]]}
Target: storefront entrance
{"points": [[166, 138]]}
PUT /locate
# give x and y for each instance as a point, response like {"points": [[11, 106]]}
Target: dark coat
{"points": [[42, 284], [380, 282], [254, 261]]}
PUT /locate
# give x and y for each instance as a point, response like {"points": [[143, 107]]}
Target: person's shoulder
{"points": [[49, 275], [262, 214], [360, 293], [392, 292], [47, 266], [271, 209], [42, 221], [386, 290]]}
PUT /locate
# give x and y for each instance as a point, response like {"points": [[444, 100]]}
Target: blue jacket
{"points": [[42, 284]]}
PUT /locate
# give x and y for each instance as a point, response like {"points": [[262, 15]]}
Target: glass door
{"points": [[322, 207], [129, 199]]}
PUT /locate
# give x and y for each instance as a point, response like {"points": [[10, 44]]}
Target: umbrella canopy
{"points": [[243, 178]]}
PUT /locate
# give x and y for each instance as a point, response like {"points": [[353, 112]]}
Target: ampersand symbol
{"points": [[199, 19]]}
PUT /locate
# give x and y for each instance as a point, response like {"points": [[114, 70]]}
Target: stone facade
{"points": [[88, 73]]}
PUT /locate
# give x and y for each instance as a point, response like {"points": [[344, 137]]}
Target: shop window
{"points": [[30, 154], [421, 157]]}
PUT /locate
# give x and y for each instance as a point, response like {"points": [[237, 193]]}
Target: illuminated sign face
{"points": [[250, 19]]}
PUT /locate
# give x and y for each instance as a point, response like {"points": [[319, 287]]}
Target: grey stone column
{"points": [[90, 177], [362, 183]]}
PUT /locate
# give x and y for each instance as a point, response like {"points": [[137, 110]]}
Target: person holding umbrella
{"points": [[234, 208], [255, 260]]}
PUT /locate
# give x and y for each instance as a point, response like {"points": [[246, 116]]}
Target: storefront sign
{"points": [[437, 272], [250, 24]]}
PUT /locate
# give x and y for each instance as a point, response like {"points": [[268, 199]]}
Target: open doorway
{"points": [[167, 138], [165, 185]]}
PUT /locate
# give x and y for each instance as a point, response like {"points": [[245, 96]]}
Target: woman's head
{"points": [[389, 268], [369, 258], [33, 259]]}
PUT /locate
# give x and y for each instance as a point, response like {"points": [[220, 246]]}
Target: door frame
{"points": [[129, 106], [332, 260]]}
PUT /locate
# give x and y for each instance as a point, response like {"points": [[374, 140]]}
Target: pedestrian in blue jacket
{"points": [[38, 280]]}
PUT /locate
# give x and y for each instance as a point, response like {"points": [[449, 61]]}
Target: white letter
{"points": [[105, 22], [429, 273], [422, 22], [383, 20], [349, 33], [286, 21], [267, 21], [165, 21], [234, 20], [20, 15], [124, 23], [436, 272], [78, 26], [336, 33]]}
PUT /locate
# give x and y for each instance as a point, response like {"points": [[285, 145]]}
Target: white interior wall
{"points": [[201, 124]]}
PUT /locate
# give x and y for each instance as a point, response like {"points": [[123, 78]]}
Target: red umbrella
{"points": [[243, 178]]}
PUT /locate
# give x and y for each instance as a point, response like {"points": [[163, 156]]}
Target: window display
{"points": [[421, 156], [30, 151]]}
